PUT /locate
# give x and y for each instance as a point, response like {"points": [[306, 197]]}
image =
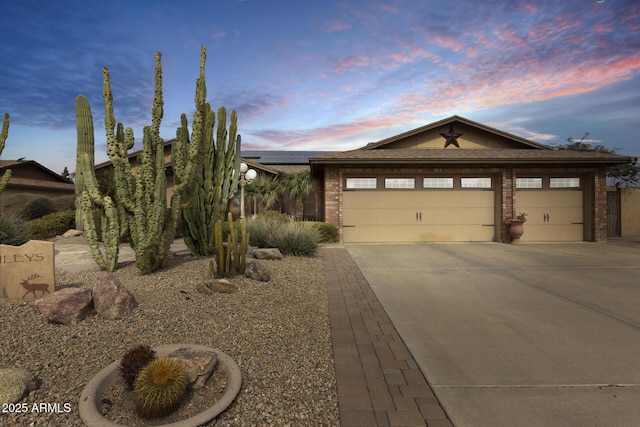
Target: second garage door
{"points": [[418, 216], [552, 215]]}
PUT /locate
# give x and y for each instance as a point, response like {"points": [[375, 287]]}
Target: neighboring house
{"points": [[30, 177], [265, 162], [457, 180]]}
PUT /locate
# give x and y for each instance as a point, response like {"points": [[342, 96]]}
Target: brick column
{"points": [[600, 205], [332, 197]]}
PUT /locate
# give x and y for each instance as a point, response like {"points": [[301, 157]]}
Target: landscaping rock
{"points": [[15, 383], [73, 233], [198, 365], [267, 253], [204, 288], [112, 300], [257, 271], [224, 286], [220, 285], [67, 306]]}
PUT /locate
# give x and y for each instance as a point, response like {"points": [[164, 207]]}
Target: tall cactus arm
{"points": [[3, 137]]}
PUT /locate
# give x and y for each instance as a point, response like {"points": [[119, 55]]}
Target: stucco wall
{"points": [[630, 211]]}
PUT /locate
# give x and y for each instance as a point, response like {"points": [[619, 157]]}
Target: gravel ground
{"points": [[278, 333]]}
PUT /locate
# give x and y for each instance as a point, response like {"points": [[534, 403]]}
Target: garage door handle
{"points": [[347, 226]]}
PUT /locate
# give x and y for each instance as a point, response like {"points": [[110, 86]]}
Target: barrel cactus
{"points": [[160, 387]]}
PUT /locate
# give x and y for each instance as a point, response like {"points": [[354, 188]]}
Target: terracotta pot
{"points": [[516, 229], [90, 400]]}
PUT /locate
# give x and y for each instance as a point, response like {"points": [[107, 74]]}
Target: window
{"points": [[564, 183], [399, 183], [354, 183], [475, 182], [437, 183], [528, 182]]}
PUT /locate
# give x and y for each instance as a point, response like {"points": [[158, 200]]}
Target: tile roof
{"points": [[281, 157], [485, 156]]}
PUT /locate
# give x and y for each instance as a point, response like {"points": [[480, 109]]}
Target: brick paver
{"points": [[379, 383]]}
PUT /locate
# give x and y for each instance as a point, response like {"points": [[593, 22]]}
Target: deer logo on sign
{"points": [[33, 287]]}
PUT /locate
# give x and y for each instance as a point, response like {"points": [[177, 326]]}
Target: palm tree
{"points": [[264, 190], [297, 185]]}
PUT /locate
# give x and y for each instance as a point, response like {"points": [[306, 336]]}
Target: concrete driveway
{"points": [[530, 335]]}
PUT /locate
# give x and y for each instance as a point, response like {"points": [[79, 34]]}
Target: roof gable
{"points": [[455, 133]]}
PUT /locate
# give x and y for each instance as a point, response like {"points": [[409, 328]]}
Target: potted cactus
{"points": [[516, 227]]}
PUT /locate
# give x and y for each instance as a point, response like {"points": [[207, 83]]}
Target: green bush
{"points": [[53, 224], [329, 232], [297, 238], [37, 209], [261, 231], [14, 230], [14, 204], [291, 238], [64, 203]]}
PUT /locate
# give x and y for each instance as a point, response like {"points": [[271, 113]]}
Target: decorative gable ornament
{"points": [[451, 137]]}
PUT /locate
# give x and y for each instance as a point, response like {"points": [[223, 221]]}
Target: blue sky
{"points": [[323, 75]]}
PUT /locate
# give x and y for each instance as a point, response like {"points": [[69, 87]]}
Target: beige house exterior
{"points": [[457, 180]]}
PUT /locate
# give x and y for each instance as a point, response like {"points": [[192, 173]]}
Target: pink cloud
{"points": [[351, 62], [336, 26]]}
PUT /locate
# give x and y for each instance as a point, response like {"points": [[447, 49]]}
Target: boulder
{"points": [[257, 271], [198, 364], [112, 300], [67, 306], [15, 383], [267, 253]]}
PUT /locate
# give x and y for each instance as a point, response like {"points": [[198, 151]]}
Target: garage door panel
{"points": [[418, 216], [380, 216], [423, 233], [552, 215]]}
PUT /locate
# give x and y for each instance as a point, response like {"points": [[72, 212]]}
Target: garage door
{"points": [[418, 216], [552, 215]]}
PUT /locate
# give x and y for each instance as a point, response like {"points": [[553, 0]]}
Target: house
{"points": [[457, 180], [30, 177], [265, 162]]}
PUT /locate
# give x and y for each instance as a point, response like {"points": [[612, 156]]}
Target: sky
{"points": [[323, 75]]}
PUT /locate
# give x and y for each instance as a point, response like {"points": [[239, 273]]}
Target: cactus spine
{"points": [[88, 195], [150, 224], [3, 137], [206, 170]]}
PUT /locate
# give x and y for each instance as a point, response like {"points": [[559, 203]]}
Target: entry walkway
{"points": [[379, 382]]}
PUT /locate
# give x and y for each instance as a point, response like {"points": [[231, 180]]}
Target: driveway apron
{"points": [[530, 335]]}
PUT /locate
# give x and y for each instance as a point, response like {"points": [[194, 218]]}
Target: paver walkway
{"points": [[379, 383]]}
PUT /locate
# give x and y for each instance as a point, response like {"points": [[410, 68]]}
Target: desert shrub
{"points": [[297, 238], [64, 203], [274, 216], [37, 209], [14, 204], [13, 230], [329, 232], [291, 238], [260, 231], [53, 224]]}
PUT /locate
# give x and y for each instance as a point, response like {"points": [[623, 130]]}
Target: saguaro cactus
{"points": [[151, 224], [206, 169], [3, 137], [88, 195]]}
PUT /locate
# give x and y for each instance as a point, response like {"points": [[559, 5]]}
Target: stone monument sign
{"points": [[27, 272]]}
